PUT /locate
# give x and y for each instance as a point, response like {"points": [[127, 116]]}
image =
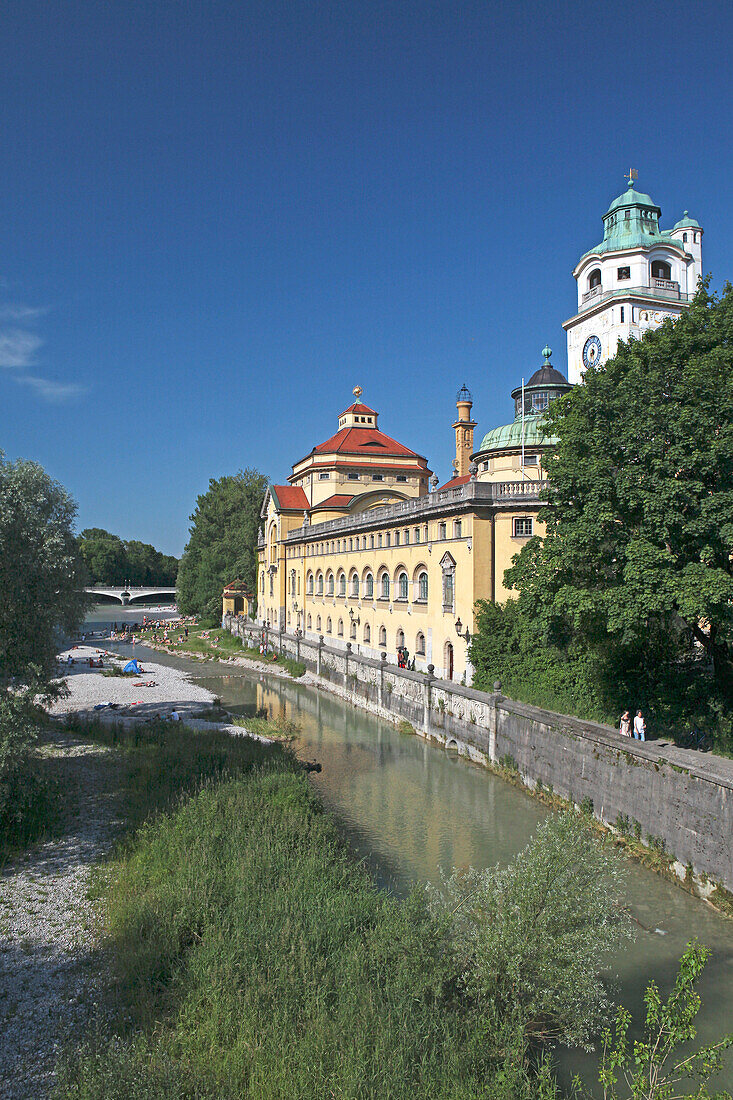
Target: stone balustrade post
{"points": [[493, 717], [426, 699], [319, 662]]}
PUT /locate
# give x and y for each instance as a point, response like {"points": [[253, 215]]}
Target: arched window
{"points": [[660, 270], [262, 583], [309, 585], [329, 584], [319, 584], [384, 595], [420, 644], [422, 587], [402, 587], [400, 638], [367, 632], [328, 625], [352, 632], [342, 584], [594, 279], [340, 630], [369, 586], [355, 584], [318, 622], [309, 623], [383, 636]]}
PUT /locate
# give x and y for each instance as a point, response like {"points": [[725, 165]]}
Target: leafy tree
{"points": [[112, 560], [222, 543], [636, 562], [41, 573], [533, 938], [652, 1068]]}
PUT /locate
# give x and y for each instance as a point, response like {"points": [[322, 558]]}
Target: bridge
{"points": [[125, 594]]}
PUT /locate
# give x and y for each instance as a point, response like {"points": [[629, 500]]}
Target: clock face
{"points": [[591, 351]]}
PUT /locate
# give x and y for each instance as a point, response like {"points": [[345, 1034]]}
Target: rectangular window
{"points": [[531, 460], [377, 477], [351, 544], [324, 475], [441, 531], [407, 538], [353, 477], [417, 534], [389, 538], [522, 528], [457, 529], [623, 273], [371, 542], [397, 538], [622, 314], [379, 540], [401, 477]]}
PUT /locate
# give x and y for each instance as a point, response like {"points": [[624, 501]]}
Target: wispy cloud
{"points": [[18, 348], [49, 390], [16, 311]]}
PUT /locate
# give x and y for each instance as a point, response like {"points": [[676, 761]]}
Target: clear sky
{"points": [[218, 218]]}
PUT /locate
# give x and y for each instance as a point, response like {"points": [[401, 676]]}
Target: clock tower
{"points": [[637, 277]]}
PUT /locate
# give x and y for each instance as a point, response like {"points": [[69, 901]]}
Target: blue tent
{"points": [[132, 666]]}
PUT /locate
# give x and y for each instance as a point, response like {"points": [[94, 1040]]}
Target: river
{"points": [[409, 808]]}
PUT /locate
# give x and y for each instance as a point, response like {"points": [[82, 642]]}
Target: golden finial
{"points": [[632, 175], [357, 392]]}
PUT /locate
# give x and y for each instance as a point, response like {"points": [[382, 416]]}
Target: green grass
{"points": [[31, 806], [221, 643], [252, 956]]}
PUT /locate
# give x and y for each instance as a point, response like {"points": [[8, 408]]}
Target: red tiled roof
{"points": [[455, 482], [357, 408], [289, 498], [363, 441], [338, 500]]}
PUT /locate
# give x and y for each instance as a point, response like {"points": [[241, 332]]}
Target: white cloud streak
{"points": [[19, 312], [55, 392], [18, 348]]}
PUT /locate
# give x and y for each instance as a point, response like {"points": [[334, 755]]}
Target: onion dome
{"points": [[632, 221]]}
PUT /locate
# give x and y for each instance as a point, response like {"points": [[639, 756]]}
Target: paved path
{"points": [[49, 964]]}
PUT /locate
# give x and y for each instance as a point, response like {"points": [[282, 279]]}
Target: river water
{"points": [[409, 808]]}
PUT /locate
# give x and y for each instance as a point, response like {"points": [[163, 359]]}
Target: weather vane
{"points": [[633, 175], [357, 392]]}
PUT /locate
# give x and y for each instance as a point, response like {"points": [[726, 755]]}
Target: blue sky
{"points": [[218, 218]]}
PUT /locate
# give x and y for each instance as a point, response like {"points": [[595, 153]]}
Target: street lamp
{"points": [[466, 634]]}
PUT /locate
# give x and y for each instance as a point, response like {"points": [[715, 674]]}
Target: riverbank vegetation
{"points": [[223, 543], [217, 644], [112, 560], [628, 600], [41, 582], [271, 966]]}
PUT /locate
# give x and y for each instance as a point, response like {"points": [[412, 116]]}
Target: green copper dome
{"points": [[686, 222], [509, 436], [632, 221]]}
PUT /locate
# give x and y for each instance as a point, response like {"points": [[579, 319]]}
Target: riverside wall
{"points": [[673, 799]]}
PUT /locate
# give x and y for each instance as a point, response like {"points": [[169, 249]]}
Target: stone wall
{"points": [[663, 794]]}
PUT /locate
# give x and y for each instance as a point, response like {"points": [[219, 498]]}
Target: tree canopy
{"points": [[223, 541], [41, 572], [112, 560], [636, 561]]}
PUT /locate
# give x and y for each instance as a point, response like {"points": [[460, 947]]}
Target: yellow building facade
{"points": [[363, 547]]}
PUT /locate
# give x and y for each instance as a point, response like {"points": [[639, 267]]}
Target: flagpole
{"points": [[523, 428]]}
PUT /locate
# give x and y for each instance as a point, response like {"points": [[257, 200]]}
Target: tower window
{"points": [[661, 270], [324, 475], [377, 477], [353, 477], [622, 314], [684, 238], [401, 477], [623, 273], [594, 279]]}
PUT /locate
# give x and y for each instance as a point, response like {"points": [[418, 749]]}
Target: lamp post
{"points": [[465, 634]]}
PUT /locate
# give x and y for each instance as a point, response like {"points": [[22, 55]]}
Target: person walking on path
{"points": [[625, 724], [639, 727]]}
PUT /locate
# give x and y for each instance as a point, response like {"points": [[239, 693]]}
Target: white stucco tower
{"points": [[633, 280]]}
